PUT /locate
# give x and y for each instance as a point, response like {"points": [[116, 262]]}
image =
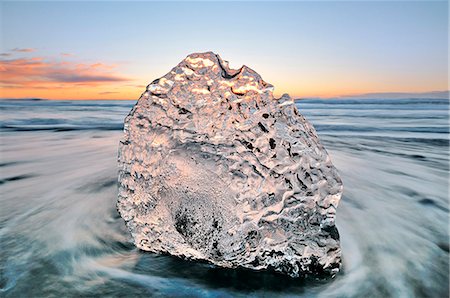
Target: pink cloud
{"points": [[23, 50]]}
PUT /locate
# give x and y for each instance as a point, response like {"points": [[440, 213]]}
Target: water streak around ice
{"points": [[60, 234]]}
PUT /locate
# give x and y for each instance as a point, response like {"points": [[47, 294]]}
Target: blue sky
{"points": [[303, 48]]}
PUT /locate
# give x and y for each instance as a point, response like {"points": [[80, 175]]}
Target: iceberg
{"points": [[212, 167]]}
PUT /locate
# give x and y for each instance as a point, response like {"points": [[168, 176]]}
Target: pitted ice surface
{"points": [[212, 167]]}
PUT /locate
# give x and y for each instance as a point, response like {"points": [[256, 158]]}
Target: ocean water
{"points": [[61, 236]]}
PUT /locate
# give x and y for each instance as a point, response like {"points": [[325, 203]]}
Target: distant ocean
{"points": [[61, 236]]}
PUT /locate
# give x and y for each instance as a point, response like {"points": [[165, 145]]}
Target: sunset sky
{"points": [[112, 50]]}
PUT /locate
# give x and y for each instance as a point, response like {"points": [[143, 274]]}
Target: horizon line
{"points": [[442, 94]]}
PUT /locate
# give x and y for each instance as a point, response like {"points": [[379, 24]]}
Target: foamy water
{"points": [[60, 234]]}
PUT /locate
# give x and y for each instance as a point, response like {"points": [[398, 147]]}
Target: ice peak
{"points": [[207, 74]]}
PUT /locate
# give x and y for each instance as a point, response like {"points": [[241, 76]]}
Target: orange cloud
{"points": [[36, 72], [108, 92], [61, 79]]}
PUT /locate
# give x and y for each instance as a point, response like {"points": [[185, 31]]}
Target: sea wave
{"points": [[60, 234]]}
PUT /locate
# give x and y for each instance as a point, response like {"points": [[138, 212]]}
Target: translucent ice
{"points": [[214, 168]]}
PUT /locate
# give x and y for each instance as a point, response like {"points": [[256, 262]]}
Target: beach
{"points": [[61, 235]]}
